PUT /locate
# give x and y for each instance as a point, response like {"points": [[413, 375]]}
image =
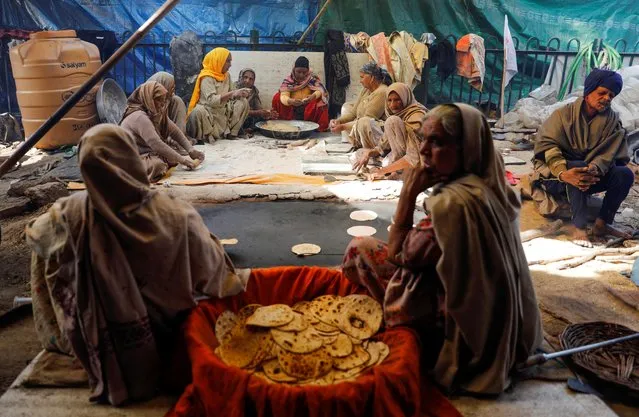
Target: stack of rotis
{"points": [[321, 342]]}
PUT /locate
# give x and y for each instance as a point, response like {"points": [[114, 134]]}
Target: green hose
{"points": [[608, 58]]}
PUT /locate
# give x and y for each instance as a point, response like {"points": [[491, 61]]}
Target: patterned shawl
{"points": [[312, 81]]}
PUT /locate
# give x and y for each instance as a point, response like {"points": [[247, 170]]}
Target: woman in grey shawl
{"points": [[459, 277], [177, 108]]}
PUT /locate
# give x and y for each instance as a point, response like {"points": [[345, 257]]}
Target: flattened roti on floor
{"points": [[306, 249], [359, 231], [363, 215]]}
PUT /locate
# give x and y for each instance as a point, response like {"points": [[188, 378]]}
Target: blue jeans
{"points": [[616, 183]]}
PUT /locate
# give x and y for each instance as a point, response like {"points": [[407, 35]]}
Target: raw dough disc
{"points": [[361, 231], [306, 249], [363, 215]]}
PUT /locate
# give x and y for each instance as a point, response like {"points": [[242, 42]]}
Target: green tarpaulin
{"points": [[544, 19]]}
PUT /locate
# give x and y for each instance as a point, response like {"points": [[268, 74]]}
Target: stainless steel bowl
{"points": [[110, 101], [303, 129]]}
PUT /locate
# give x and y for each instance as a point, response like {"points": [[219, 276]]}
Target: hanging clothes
{"points": [[379, 49], [337, 71], [356, 42], [442, 56], [471, 59], [407, 57]]}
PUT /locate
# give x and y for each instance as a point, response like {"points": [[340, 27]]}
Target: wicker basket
{"points": [[617, 363]]}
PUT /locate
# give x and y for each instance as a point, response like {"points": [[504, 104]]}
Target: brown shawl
{"points": [[601, 141], [167, 80], [413, 111], [153, 99], [132, 261], [492, 319]]}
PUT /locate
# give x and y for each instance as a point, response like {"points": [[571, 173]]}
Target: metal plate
{"points": [[110, 101], [303, 129]]}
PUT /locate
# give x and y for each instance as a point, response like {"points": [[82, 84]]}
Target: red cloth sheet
{"points": [[394, 388], [315, 111]]}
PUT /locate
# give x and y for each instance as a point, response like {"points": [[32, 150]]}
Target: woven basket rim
{"points": [[587, 360]]}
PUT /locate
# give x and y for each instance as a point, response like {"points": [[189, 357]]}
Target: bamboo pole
{"points": [[314, 22]]}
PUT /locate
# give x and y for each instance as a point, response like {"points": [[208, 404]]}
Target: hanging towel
{"points": [[379, 49], [470, 59]]}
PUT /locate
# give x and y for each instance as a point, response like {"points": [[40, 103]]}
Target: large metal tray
{"points": [[303, 129]]}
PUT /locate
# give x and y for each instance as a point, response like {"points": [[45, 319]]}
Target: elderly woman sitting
{"points": [[160, 142], [359, 121], [216, 111], [257, 112], [116, 267], [302, 96], [177, 108], [460, 277], [399, 141]]}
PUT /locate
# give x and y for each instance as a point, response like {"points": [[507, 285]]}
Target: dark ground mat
{"points": [[266, 231]]}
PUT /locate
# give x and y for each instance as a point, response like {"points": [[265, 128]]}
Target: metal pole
{"points": [[87, 86], [314, 22], [543, 357]]}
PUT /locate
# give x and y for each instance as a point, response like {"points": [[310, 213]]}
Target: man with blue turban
{"points": [[581, 150]]}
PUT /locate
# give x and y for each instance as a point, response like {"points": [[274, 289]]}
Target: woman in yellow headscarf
{"points": [[216, 111]]}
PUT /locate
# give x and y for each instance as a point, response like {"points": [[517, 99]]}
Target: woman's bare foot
{"points": [[580, 237], [601, 228]]}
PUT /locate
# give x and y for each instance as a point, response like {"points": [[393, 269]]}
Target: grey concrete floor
{"points": [[266, 231]]}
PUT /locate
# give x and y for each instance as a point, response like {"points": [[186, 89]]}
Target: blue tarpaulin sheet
{"points": [[207, 18], [199, 16]]}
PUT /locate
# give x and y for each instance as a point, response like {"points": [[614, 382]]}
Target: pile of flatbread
{"points": [[320, 342]]}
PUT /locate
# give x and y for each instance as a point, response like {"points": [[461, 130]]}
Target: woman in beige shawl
{"points": [[361, 122], [177, 108], [146, 118], [399, 141], [460, 277], [115, 267]]}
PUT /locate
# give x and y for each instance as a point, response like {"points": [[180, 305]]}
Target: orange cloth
{"points": [[394, 388], [467, 67], [212, 66]]}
